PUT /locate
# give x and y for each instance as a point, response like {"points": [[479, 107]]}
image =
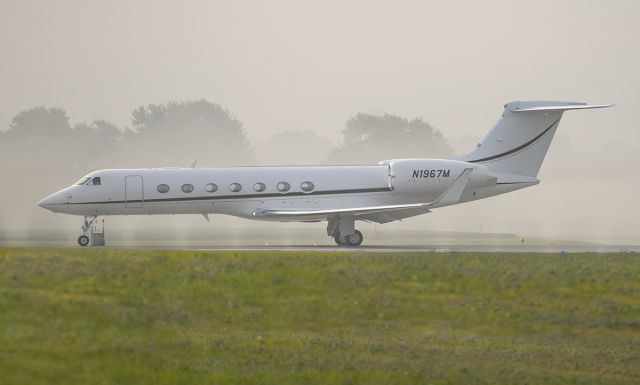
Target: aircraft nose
{"points": [[46, 202], [51, 201]]}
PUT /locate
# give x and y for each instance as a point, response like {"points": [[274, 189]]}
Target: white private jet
{"points": [[507, 159]]}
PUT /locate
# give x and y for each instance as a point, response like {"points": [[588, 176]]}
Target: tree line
{"points": [[177, 133]]}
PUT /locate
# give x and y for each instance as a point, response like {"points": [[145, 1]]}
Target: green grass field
{"points": [[229, 317]]}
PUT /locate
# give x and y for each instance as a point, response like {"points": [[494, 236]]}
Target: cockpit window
{"points": [[95, 181], [83, 180]]}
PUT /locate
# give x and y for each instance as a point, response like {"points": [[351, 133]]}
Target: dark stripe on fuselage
{"points": [[246, 196], [517, 149]]}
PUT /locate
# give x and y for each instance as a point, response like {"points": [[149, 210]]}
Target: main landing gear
{"points": [[352, 240], [83, 240], [343, 232]]}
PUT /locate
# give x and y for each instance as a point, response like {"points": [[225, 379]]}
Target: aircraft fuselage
{"points": [[215, 190]]}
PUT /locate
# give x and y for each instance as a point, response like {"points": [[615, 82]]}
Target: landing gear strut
{"points": [[83, 240], [343, 232]]}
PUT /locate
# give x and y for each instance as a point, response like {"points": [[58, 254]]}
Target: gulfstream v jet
{"points": [[508, 158]]}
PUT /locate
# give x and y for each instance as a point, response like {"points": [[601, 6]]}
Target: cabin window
{"points": [[187, 188], [163, 188], [259, 187], [211, 187], [95, 181], [307, 186], [235, 187], [283, 186]]}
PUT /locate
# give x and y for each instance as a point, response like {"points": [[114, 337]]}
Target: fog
{"points": [[88, 85]]}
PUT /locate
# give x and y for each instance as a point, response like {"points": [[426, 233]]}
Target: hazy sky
{"points": [[310, 65], [287, 65]]}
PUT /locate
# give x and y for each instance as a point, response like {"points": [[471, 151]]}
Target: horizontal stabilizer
{"points": [[580, 106]]}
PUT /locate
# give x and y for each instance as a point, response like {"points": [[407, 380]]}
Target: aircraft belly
{"points": [[246, 209]]}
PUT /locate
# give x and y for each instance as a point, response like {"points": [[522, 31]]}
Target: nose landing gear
{"points": [[87, 227], [83, 240]]}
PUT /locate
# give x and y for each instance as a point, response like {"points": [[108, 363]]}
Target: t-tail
{"points": [[519, 141]]}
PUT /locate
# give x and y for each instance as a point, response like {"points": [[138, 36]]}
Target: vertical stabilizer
{"points": [[519, 141]]}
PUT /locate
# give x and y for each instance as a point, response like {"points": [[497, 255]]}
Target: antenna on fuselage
{"points": [[194, 164]]}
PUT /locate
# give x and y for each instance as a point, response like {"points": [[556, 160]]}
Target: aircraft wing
{"points": [[327, 212], [449, 196]]}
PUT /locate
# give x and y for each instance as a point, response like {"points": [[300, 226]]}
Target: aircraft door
{"points": [[133, 191]]}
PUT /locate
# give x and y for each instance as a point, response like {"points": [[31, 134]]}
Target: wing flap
{"points": [[391, 216]]}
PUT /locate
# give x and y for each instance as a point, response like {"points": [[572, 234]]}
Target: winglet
{"points": [[452, 194]]}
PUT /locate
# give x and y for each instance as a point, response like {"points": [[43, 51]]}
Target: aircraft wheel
{"points": [[355, 239], [83, 240]]}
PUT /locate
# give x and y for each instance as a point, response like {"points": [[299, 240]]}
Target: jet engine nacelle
{"points": [[433, 176]]}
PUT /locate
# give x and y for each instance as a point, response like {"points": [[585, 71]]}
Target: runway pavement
{"points": [[309, 240], [412, 249]]}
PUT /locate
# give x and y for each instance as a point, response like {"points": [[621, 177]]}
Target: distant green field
{"points": [[258, 317]]}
